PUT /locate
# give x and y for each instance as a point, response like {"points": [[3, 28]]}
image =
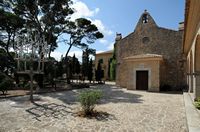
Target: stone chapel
{"points": [[149, 58]]}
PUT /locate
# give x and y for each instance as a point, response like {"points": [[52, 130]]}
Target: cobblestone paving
{"points": [[121, 111]]}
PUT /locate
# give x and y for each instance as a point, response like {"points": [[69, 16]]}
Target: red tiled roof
{"points": [[106, 52], [144, 56]]}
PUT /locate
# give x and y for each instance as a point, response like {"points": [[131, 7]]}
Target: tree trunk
{"points": [[50, 51], [7, 48], [67, 63], [70, 46], [31, 84]]}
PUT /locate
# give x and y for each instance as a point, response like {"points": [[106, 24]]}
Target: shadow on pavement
{"points": [[102, 116], [114, 94], [42, 108], [49, 110], [111, 94]]}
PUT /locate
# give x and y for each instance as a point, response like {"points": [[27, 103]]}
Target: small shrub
{"points": [[2, 76], [197, 103], [5, 85], [24, 84], [89, 99]]}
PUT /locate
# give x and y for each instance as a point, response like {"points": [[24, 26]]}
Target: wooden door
{"points": [[142, 80]]}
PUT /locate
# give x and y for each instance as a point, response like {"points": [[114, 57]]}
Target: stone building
{"points": [[191, 46], [105, 58], [148, 58]]}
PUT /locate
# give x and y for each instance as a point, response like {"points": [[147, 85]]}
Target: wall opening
{"points": [[144, 18], [142, 80]]}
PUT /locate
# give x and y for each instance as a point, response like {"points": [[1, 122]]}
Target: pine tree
{"points": [[112, 65], [78, 67], [90, 70], [73, 64], [85, 63], [99, 72]]}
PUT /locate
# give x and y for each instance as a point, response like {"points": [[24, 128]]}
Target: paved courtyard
{"points": [[121, 111]]}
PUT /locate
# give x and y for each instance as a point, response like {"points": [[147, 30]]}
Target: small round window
{"points": [[145, 40]]}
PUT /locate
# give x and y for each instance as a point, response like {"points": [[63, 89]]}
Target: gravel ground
{"points": [[120, 110]]}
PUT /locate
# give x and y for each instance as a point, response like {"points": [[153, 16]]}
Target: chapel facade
{"points": [[149, 58]]}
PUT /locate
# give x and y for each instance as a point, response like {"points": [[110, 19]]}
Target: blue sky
{"points": [[111, 16]]}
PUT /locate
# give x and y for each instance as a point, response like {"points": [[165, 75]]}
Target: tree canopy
{"points": [[10, 24], [48, 17], [81, 33]]}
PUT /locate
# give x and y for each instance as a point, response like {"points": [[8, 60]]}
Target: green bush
{"points": [[24, 84], [197, 103], [2, 76], [89, 99], [5, 85]]}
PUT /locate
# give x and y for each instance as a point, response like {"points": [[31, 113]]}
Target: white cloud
{"points": [[103, 41], [110, 46], [75, 1], [82, 10], [101, 27], [57, 55], [92, 57]]}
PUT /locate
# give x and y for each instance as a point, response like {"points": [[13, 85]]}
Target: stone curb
{"points": [[193, 117]]}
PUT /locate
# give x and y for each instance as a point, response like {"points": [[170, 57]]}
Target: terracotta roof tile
{"points": [[106, 52], [143, 56]]}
